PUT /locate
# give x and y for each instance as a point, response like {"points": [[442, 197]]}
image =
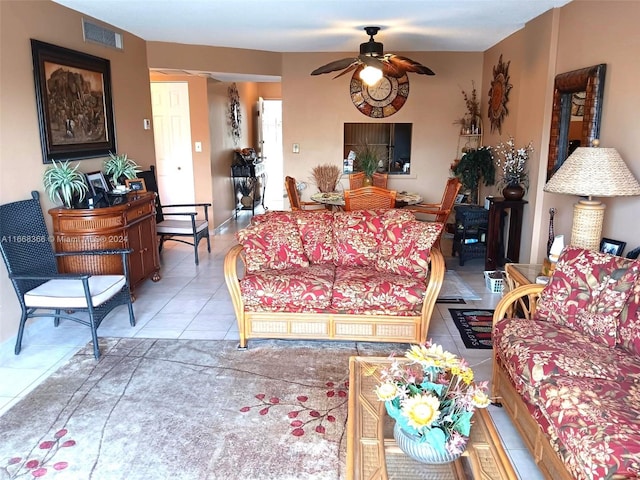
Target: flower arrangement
{"points": [[512, 162], [326, 177], [433, 396], [470, 123]]}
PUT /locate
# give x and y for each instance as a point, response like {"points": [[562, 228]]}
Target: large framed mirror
{"points": [[576, 115]]}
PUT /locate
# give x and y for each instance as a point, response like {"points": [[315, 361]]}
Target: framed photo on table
{"points": [[97, 183], [73, 97], [136, 184], [613, 247]]}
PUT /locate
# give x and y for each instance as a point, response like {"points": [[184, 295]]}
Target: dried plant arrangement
{"points": [[326, 177]]}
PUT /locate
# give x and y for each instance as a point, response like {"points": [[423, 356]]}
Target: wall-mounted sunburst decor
{"points": [[499, 95], [235, 115]]}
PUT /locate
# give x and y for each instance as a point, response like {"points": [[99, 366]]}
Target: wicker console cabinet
{"points": [[127, 222], [470, 237]]}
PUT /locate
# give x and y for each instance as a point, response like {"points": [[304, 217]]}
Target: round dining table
{"points": [[337, 198]]}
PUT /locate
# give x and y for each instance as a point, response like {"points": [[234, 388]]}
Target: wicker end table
{"points": [[372, 453]]}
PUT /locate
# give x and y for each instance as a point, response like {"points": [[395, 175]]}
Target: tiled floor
{"points": [[192, 302]]}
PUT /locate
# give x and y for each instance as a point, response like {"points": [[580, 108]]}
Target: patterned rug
{"points": [[474, 326], [187, 409]]}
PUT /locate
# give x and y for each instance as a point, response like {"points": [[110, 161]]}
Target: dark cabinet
{"points": [[249, 184], [470, 236]]}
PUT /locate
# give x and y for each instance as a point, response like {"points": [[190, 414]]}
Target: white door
{"points": [[172, 132], [270, 144]]}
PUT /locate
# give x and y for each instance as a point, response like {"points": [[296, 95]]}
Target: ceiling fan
{"points": [[374, 61]]}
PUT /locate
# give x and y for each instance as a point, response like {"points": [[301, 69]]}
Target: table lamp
{"points": [[592, 172]]}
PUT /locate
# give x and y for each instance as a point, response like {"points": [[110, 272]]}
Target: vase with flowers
{"points": [[432, 397], [512, 163]]}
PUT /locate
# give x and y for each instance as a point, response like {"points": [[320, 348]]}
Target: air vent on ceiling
{"points": [[98, 34]]}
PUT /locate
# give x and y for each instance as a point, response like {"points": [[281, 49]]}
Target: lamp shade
{"points": [[594, 172]]}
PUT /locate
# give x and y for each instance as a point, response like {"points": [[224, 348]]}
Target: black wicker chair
{"points": [[169, 229], [44, 292]]}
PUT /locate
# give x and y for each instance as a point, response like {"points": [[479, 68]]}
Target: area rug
{"points": [[474, 326], [187, 409], [454, 287]]}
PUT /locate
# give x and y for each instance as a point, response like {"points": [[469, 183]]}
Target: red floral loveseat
{"points": [[570, 375], [369, 275]]}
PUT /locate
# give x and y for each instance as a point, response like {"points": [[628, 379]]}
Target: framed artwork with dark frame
{"points": [[136, 184], [97, 183], [73, 96], [613, 247]]}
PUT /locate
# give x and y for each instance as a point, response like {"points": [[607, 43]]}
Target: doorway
{"points": [[271, 149], [172, 134]]}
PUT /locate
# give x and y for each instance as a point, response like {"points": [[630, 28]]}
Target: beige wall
{"points": [[314, 110], [21, 166], [581, 34]]}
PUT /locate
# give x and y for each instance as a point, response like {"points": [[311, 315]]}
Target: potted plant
{"points": [[367, 161], [512, 162], [474, 165], [119, 166], [64, 184], [432, 398]]}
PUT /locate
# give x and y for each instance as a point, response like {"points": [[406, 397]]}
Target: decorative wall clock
{"points": [[499, 95], [235, 115], [382, 99]]}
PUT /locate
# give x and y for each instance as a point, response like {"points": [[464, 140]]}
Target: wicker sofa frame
{"points": [[332, 326], [524, 299]]}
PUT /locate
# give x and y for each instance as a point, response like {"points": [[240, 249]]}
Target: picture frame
{"points": [[74, 103], [97, 183], [460, 198], [613, 247], [136, 184]]}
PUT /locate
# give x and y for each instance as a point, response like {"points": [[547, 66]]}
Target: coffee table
{"points": [[372, 453]]}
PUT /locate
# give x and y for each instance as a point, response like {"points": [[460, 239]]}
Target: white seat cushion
{"points": [[70, 293], [182, 227]]}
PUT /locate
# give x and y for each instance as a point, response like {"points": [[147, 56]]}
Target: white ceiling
{"points": [[319, 25]]}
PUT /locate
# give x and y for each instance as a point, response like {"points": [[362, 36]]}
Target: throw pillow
{"points": [[587, 292], [316, 232], [629, 323], [274, 245], [405, 247]]}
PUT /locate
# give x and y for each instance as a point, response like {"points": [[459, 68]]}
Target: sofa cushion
{"points": [[366, 290], [405, 246], [629, 322], [316, 233], [587, 292], [597, 422], [534, 351], [298, 289], [357, 234], [272, 245]]}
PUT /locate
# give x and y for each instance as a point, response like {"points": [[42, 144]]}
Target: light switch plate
{"points": [[198, 146]]}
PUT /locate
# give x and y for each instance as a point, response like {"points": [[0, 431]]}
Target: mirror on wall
{"points": [[576, 115], [391, 140]]}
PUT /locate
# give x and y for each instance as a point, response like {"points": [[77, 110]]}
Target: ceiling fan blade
{"points": [[405, 64], [370, 61], [351, 68], [336, 65]]}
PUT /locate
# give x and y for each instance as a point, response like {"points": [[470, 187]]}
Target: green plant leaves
{"points": [[62, 181]]}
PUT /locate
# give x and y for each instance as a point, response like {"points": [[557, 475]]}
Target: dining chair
{"points": [[45, 292], [439, 211], [380, 179], [294, 198], [179, 224], [368, 198], [356, 180]]}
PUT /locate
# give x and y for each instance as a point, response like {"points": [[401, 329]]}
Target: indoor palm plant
{"points": [[64, 184], [432, 398], [119, 166]]}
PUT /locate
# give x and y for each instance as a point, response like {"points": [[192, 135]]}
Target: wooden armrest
{"points": [[507, 305]]}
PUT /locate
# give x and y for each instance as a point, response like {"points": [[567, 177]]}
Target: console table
{"points": [[495, 253], [126, 221]]}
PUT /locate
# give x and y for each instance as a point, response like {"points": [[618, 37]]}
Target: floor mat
{"points": [[474, 326], [453, 286]]}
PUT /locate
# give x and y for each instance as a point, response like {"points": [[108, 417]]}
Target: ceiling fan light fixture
{"points": [[370, 75]]}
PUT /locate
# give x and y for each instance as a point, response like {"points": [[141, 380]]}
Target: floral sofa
{"points": [[569, 375], [369, 275]]}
